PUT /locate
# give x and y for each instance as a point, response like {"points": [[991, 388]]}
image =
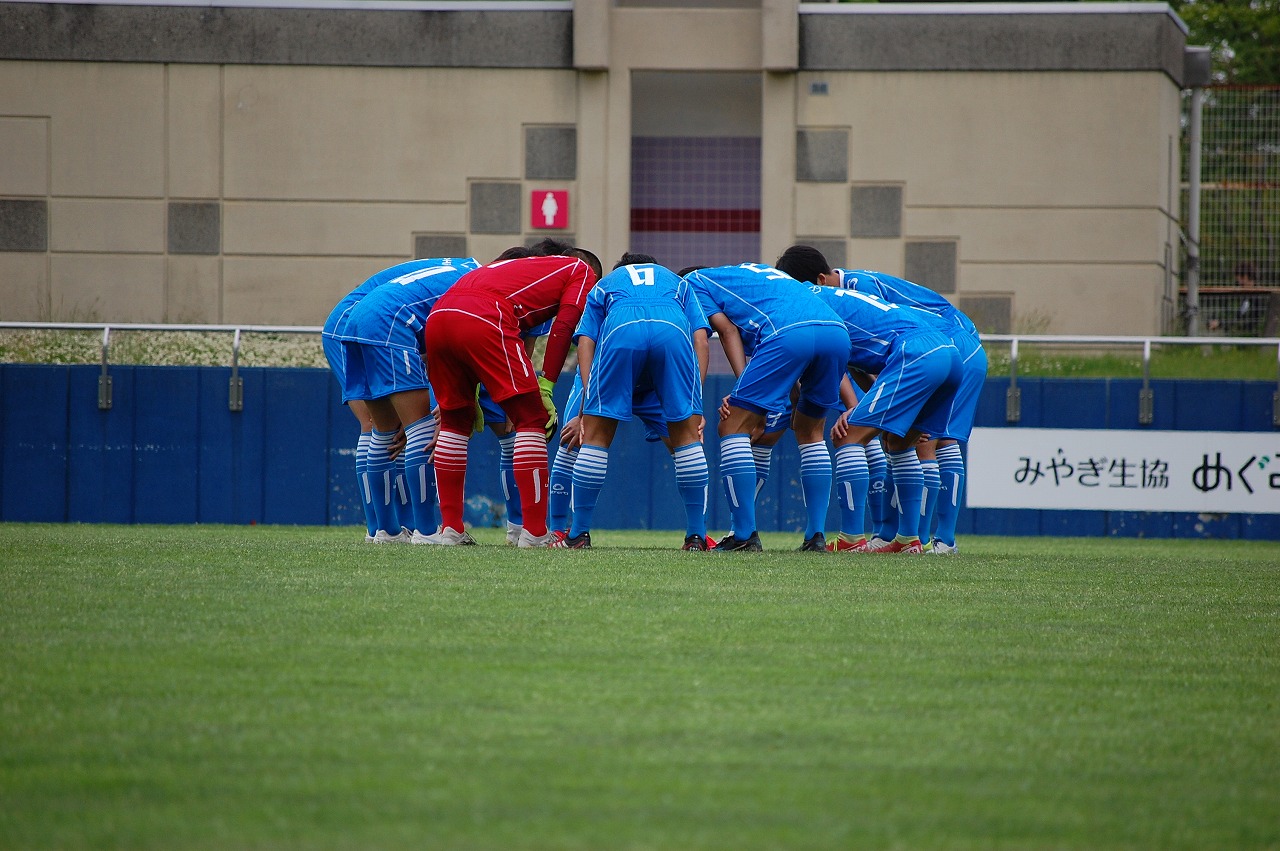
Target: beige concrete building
{"points": [[251, 164]]}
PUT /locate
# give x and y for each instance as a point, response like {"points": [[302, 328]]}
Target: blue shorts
{"points": [[373, 372], [915, 389], [813, 355], [336, 355], [644, 406], [644, 353], [964, 407], [493, 413]]}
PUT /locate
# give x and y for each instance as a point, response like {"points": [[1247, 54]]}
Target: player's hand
{"points": [[841, 427], [397, 443], [723, 410], [702, 428], [547, 387], [571, 434]]}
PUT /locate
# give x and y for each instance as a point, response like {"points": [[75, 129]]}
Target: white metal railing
{"points": [[1013, 396], [1146, 397]]}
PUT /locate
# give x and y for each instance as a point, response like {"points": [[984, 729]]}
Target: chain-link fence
{"points": [[1239, 211]]}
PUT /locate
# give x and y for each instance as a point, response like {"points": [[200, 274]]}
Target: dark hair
{"points": [[687, 269], [804, 263], [515, 252], [1245, 269], [548, 247], [630, 259], [589, 258]]}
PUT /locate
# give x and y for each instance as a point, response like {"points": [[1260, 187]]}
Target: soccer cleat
{"points": [[910, 548], [513, 533], [382, 536], [531, 541], [941, 549], [446, 536], [817, 543], [558, 535], [733, 544], [581, 542], [876, 544], [697, 543], [840, 545]]}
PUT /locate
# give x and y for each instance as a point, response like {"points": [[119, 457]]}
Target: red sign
{"points": [[549, 208]]}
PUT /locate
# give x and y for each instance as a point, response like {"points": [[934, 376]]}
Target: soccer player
{"points": [[642, 333], [806, 263], [918, 374], [775, 332], [383, 374], [473, 337]]}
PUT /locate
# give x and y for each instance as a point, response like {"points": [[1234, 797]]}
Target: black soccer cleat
{"points": [[816, 544], [734, 544], [582, 542], [695, 543]]}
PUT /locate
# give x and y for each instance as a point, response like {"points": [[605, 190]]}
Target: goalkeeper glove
{"points": [[547, 387], [477, 425]]}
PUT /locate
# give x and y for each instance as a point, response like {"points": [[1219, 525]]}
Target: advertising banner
{"points": [[1105, 470]]}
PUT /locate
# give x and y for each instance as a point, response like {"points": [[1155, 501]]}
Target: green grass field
{"points": [[226, 688]]}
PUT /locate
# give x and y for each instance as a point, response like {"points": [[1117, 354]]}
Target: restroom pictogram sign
{"points": [[549, 208]]}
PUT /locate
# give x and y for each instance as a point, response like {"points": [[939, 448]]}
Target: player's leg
{"points": [[456, 425], [361, 412], [381, 470], [738, 474], [852, 479], [819, 382], [529, 418], [413, 408], [881, 504], [692, 478], [560, 497], [589, 471], [951, 472], [496, 420], [927, 452]]}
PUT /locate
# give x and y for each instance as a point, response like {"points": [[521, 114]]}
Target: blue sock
{"points": [[506, 469], [380, 480], [762, 455], [588, 478], [951, 471], [420, 475], [404, 506], [908, 480], [692, 479], [932, 482], [884, 517], [738, 472], [560, 495], [815, 485], [366, 497], [851, 489]]}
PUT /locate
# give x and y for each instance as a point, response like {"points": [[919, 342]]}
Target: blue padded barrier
{"points": [[170, 450]]}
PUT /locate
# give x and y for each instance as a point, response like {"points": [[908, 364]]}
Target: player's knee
{"points": [[458, 420]]}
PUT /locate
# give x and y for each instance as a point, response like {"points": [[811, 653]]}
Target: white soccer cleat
{"points": [[875, 544], [513, 534], [382, 536], [528, 541], [941, 549], [446, 536]]}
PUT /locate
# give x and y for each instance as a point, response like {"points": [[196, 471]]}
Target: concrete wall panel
{"points": [[333, 229], [292, 290], [822, 208], [1074, 299], [381, 134], [107, 226], [195, 131], [106, 288], [26, 288], [194, 291], [24, 167]]}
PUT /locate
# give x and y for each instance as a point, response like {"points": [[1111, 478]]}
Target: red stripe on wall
{"points": [[678, 220]]}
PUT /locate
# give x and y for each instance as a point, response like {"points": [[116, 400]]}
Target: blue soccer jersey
{"points": [[909, 350], [642, 318], [964, 334], [788, 335], [760, 300], [335, 323], [394, 314], [903, 292]]}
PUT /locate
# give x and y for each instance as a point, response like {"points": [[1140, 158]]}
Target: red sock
{"points": [[451, 476], [530, 467]]}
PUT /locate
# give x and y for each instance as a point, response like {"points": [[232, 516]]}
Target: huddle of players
{"points": [[454, 337]]}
